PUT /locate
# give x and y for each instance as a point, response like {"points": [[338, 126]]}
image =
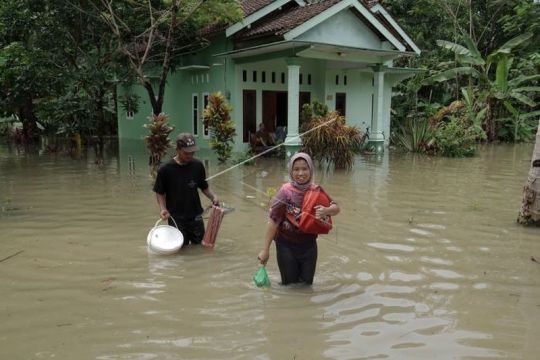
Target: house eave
{"points": [[307, 49]]}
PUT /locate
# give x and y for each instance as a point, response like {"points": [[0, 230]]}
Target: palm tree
{"points": [[530, 209]]}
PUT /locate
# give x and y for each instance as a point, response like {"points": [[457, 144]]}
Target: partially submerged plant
{"points": [[413, 134], [217, 116], [158, 141], [328, 138]]}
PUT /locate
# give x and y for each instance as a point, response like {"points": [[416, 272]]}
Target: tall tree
{"points": [[29, 71], [152, 34], [57, 66]]}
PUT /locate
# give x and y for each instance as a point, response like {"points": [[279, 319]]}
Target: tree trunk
{"points": [[530, 209], [29, 121], [98, 140], [156, 105]]}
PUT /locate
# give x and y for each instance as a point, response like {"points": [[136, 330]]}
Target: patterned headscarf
{"points": [[309, 162]]}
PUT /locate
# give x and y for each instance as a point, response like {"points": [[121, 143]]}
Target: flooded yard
{"points": [[426, 262]]}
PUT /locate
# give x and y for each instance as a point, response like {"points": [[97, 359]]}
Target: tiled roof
{"points": [[371, 3], [291, 15], [282, 21], [250, 6]]}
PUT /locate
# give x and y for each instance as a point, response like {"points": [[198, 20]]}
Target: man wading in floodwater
{"points": [[176, 189]]}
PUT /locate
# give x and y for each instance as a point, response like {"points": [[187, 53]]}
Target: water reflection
{"points": [[426, 261]]}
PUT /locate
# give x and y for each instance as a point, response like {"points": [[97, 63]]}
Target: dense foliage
{"points": [[482, 54], [60, 61]]}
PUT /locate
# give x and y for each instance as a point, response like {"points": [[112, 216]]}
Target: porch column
{"points": [[376, 136], [293, 141]]}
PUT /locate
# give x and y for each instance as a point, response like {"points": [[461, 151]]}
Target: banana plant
{"points": [[475, 115], [519, 126], [480, 71]]}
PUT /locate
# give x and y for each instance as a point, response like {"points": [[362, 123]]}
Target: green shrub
{"points": [[312, 109], [454, 139], [414, 134]]}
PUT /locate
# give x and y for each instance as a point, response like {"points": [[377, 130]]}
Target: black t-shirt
{"points": [[179, 184]]}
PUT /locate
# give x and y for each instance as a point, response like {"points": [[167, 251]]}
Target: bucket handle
{"points": [[170, 217]]}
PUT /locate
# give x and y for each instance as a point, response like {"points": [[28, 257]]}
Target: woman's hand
{"points": [[263, 256], [321, 212], [215, 200]]}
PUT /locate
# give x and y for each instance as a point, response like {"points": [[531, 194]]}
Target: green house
{"points": [[285, 53]]}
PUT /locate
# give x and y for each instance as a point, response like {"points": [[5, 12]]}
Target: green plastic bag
{"points": [[261, 278]]}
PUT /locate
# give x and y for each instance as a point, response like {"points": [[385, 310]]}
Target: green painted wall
{"points": [[343, 29], [359, 93]]}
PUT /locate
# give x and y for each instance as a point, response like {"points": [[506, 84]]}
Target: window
{"points": [[337, 79], [195, 113], [273, 77], [309, 79], [283, 78], [130, 114], [263, 76], [244, 75], [254, 76], [345, 80], [301, 79], [206, 133]]}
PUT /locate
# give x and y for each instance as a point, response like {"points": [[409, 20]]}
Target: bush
{"points": [[414, 134], [328, 138], [455, 139], [217, 116], [158, 141]]}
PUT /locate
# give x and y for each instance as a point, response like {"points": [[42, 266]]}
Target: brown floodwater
{"points": [[426, 262]]}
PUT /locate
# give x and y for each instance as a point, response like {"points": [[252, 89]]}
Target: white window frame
{"points": [[204, 101], [195, 114]]}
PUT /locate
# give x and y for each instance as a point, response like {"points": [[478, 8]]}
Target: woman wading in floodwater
{"points": [[296, 250]]}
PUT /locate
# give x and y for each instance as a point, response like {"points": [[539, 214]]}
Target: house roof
{"points": [[265, 19], [251, 6], [286, 19]]}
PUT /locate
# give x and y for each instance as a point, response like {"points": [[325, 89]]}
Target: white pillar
{"points": [[293, 89], [376, 137]]}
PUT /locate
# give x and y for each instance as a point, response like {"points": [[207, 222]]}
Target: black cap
{"points": [[186, 142]]}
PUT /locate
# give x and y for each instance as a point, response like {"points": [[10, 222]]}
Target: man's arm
{"points": [[163, 212], [210, 195]]}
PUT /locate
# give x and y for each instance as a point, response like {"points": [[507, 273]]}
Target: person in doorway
{"points": [[263, 137], [176, 189], [296, 250]]}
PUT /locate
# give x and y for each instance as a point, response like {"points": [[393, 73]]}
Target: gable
{"points": [[360, 24], [343, 29]]}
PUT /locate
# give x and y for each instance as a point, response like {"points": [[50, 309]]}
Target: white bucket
{"points": [[164, 239]]}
